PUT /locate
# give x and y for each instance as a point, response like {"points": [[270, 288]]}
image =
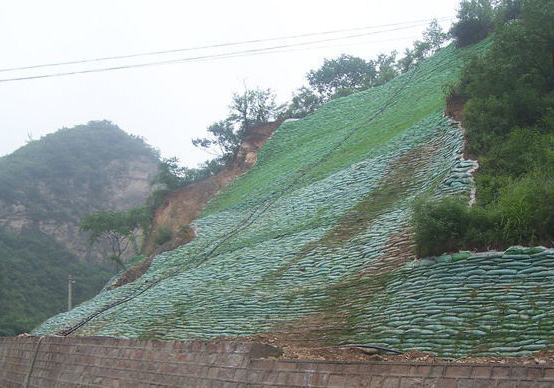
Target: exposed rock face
{"points": [[127, 185]]}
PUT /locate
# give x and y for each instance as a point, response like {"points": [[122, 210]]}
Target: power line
{"points": [[312, 48], [204, 57], [220, 45]]}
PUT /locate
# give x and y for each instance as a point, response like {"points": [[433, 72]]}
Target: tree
{"points": [[536, 20], [170, 175], [346, 73], [303, 102], [386, 65], [251, 108], [222, 140], [511, 85], [475, 21], [115, 227], [407, 62], [247, 110], [433, 39], [508, 10]]}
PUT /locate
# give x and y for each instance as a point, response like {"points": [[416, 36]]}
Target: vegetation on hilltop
{"points": [[475, 22], [348, 74], [64, 162], [252, 108], [308, 139], [509, 118]]}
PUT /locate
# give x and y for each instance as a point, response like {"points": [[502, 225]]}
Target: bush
{"points": [[448, 225], [163, 235], [526, 210], [433, 233], [523, 214]]}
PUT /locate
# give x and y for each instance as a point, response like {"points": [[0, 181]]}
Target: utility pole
{"points": [[70, 282]]}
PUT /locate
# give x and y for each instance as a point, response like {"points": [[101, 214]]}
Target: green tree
{"points": [[346, 73], [537, 21], [222, 139], [511, 86], [508, 10], [475, 21], [304, 102], [116, 227], [170, 175], [433, 39], [386, 65], [252, 108], [434, 36]]}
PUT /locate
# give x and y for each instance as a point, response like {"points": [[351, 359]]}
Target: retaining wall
{"points": [[484, 304], [109, 362]]}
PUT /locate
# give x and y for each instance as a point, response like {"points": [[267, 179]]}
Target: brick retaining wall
{"points": [[109, 362]]}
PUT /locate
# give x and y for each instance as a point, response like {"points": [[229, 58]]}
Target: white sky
{"points": [[170, 104]]}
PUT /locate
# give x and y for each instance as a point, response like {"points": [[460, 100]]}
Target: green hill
{"points": [[315, 242], [45, 188], [327, 199], [33, 279]]}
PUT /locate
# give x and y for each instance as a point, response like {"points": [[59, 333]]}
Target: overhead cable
{"points": [[220, 45], [231, 54]]}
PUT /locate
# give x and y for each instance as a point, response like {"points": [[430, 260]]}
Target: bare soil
{"points": [[183, 206], [455, 107], [315, 351]]}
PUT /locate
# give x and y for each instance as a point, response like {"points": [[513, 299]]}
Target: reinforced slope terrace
{"points": [[314, 242]]}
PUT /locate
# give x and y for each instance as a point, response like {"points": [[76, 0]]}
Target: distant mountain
{"points": [[45, 188]]}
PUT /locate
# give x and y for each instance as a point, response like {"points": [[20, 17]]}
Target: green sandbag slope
{"points": [[327, 204], [488, 304]]}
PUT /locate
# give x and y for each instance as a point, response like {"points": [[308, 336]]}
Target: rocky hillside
{"points": [[45, 188], [314, 243], [49, 184]]}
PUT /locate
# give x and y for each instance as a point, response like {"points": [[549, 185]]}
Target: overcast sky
{"points": [[170, 104]]}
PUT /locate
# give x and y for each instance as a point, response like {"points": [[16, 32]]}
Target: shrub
{"points": [[523, 214], [449, 225], [526, 210], [439, 225], [163, 235]]}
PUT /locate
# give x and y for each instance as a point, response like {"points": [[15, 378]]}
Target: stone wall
{"points": [[109, 362]]}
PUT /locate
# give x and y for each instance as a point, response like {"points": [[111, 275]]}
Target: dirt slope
{"points": [[183, 206]]}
